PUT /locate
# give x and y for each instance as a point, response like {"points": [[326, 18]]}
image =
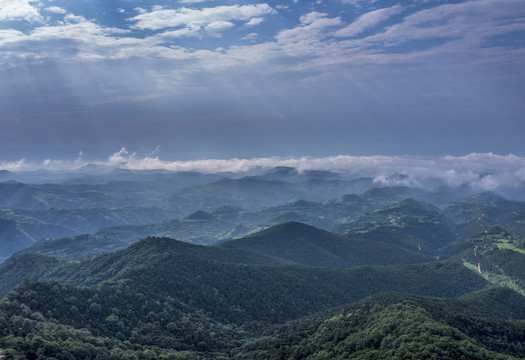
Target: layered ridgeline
{"points": [[225, 222], [290, 243], [20, 229], [57, 205], [216, 207], [161, 295], [198, 228]]}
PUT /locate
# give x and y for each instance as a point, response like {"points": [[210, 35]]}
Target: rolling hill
{"points": [[409, 223], [307, 245]]}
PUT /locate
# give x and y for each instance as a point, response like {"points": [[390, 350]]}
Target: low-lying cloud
{"points": [[483, 171]]}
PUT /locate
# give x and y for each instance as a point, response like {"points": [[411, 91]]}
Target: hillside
{"points": [[307, 245], [25, 266], [498, 255], [409, 223], [90, 220], [485, 207], [200, 228], [399, 326], [166, 296], [289, 290], [12, 239]]}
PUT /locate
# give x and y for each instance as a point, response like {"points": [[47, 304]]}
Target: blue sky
{"points": [[197, 79]]}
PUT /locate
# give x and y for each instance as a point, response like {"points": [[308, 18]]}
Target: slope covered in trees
{"points": [[160, 292], [306, 245], [400, 326]]}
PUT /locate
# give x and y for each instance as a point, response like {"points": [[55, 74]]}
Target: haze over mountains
{"points": [[186, 265]]}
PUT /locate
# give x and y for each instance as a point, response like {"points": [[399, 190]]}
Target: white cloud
{"points": [[309, 37], [254, 21], [118, 158], [218, 26], [195, 31], [191, 1], [56, 10], [357, 3], [18, 165], [250, 36], [464, 29], [19, 10], [160, 18], [483, 171], [368, 20], [475, 20]]}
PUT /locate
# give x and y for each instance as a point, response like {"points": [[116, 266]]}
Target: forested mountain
{"points": [[20, 229], [89, 220], [485, 207], [219, 289], [497, 255], [298, 265], [409, 223], [401, 326], [306, 245]]}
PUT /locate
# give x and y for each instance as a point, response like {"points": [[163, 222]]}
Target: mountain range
{"points": [[277, 264]]}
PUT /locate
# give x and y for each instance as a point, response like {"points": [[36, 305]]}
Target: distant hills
{"points": [[409, 223], [485, 207]]}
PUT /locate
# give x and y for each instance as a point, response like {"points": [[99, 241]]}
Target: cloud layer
{"points": [[486, 171]]}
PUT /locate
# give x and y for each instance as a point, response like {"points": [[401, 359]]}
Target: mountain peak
{"points": [[201, 215], [410, 206], [487, 196]]}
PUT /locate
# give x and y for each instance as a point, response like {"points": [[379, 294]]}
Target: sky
{"points": [[189, 80]]}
